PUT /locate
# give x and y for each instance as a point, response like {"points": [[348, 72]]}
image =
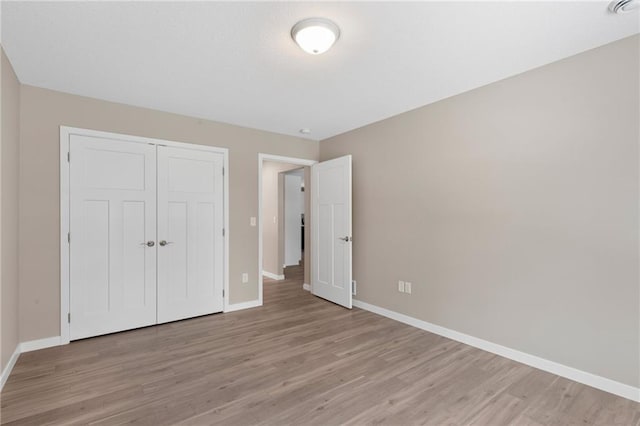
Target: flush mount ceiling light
{"points": [[315, 35], [623, 6]]}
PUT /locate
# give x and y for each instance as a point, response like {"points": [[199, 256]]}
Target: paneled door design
{"points": [[331, 240], [190, 233], [113, 226], [145, 221]]}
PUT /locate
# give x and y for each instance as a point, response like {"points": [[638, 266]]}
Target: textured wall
{"points": [[9, 149], [513, 210]]}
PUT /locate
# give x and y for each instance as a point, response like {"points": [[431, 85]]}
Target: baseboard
{"points": [[7, 370], [34, 345], [273, 276], [589, 379], [243, 305], [306, 286]]}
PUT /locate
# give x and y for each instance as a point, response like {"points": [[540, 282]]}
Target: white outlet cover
{"points": [[245, 278], [252, 221]]}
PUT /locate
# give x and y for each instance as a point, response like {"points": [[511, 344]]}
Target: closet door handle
{"points": [[164, 243], [148, 244]]}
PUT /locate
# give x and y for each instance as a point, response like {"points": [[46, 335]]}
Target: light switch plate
{"points": [[252, 221], [245, 278]]}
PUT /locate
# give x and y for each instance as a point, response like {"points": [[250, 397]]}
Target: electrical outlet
{"points": [[245, 278], [401, 286], [407, 287], [252, 221]]}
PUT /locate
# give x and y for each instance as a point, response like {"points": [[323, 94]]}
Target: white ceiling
{"points": [[236, 63]]}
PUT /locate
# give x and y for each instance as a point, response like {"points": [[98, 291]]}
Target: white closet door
{"points": [[190, 233], [112, 217]]}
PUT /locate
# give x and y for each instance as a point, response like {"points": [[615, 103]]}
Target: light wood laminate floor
{"points": [[297, 360]]}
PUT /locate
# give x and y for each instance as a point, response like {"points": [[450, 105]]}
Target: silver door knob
{"points": [[164, 243], [345, 239], [148, 244]]}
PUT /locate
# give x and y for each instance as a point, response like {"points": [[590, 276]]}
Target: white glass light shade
{"points": [[315, 35]]}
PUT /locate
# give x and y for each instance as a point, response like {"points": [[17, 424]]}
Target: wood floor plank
{"points": [[296, 360]]}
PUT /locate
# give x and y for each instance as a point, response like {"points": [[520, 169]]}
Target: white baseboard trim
{"points": [[7, 369], [243, 305], [273, 276], [34, 345], [589, 379], [306, 286], [29, 346]]}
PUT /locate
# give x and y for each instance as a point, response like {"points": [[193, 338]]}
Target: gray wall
{"points": [[9, 148], [43, 111], [513, 210]]}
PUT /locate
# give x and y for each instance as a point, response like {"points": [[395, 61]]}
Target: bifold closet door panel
{"points": [[112, 234], [190, 233]]}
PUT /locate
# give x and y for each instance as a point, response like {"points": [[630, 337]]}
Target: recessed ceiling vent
{"points": [[623, 6]]}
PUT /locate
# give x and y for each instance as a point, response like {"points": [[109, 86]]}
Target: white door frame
{"points": [[65, 134], [276, 159]]}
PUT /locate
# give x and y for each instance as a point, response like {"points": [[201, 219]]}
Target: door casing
{"points": [[65, 134]]}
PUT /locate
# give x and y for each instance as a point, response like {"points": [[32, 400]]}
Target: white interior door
{"points": [[331, 242], [190, 233], [112, 217]]}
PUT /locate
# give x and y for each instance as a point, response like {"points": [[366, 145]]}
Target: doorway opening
{"points": [[284, 206]]}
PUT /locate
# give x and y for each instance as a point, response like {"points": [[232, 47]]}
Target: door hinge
{"points": [[223, 171], [68, 157], [69, 317], [223, 292], [69, 237], [223, 232]]}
